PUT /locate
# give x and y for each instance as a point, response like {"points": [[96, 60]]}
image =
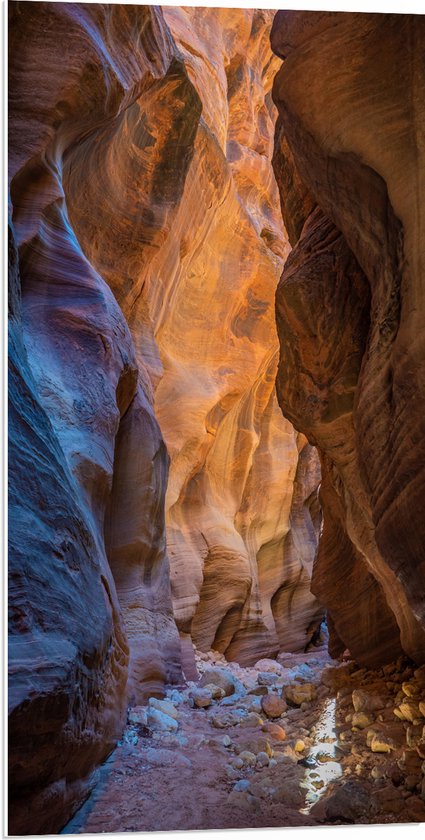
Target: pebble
{"points": [[268, 665], [217, 693], [280, 757], [253, 704], [414, 735], [258, 690], [139, 714], [361, 720], [267, 678], [409, 762], [410, 689], [308, 762], [254, 745], [205, 657], [166, 758], [408, 710], [223, 718], [175, 696], [252, 719], [412, 782], [201, 697], [130, 737], [274, 730], [241, 785], [248, 758]]}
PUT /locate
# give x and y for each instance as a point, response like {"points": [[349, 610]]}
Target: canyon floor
{"points": [[302, 740]]}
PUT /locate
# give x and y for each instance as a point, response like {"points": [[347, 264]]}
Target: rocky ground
{"points": [[301, 740]]}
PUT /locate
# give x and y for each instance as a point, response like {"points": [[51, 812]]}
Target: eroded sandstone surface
{"points": [[76, 391], [200, 241], [349, 162], [159, 497], [146, 244]]}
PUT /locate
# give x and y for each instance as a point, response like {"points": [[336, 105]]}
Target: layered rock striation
{"points": [[91, 613], [200, 241], [349, 162], [145, 250]]}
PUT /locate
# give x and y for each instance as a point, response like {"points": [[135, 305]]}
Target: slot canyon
{"points": [[216, 418]]}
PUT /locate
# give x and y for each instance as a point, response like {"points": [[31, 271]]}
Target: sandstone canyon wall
{"points": [[201, 246], [145, 247], [349, 159], [76, 392]]}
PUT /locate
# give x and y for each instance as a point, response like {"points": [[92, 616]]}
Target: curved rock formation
{"points": [[146, 247], [201, 246], [349, 161], [76, 392], [68, 653]]}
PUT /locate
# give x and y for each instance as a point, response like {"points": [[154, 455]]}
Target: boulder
{"points": [[381, 744], [297, 694], [363, 701], [273, 706], [161, 722], [221, 678], [223, 718], [165, 706], [349, 802]]}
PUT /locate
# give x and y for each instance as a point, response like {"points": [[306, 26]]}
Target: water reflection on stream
{"points": [[317, 778]]}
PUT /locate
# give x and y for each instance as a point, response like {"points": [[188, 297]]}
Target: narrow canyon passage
{"points": [[216, 424]]}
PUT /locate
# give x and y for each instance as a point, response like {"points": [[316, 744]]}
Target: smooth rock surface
{"points": [[145, 225], [272, 705], [349, 310], [92, 624]]}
